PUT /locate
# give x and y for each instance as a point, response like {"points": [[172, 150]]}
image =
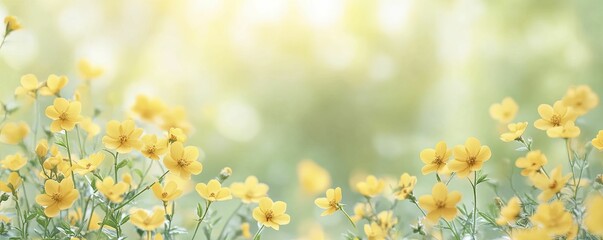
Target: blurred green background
{"points": [[358, 86]]}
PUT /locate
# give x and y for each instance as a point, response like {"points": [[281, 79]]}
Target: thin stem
{"points": [[257, 234], [228, 220], [146, 172], [569, 158], [200, 220], [141, 191], [79, 140], [474, 185], [453, 230], [347, 216], [69, 155], [450, 179], [115, 164]]}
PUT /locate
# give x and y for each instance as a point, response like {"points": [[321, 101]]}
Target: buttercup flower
{"points": [[405, 186], [440, 203], [42, 148], [387, 220], [469, 158], [581, 99], [88, 71], [53, 86], [148, 108], [122, 137], [361, 210], [94, 222], [504, 112], [593, 220], [313, 178], [29, 86], [555, 116], [515, 131], [530, 234], [127, 179], [531, 163], [553, 218], [371, 187], [111, 190], [213, 191], [510, 212], [57, 196], [331, 202], [89, 164], [153, 148], [13, 162], [13, 133], [182, 161], [92, 129], [598, 140], [14, 181], [64, 114], [145, 220], [11, 23], [567, 130], [271, 214], [249, 191], [374, 232], [245, 230], [168, 193], [435, 159], [550, 186], [176, 135]]}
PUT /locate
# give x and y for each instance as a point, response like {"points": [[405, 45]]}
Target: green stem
{"points": [[228, 220], [474, 185], [569, 158], [257, 234], [115, 164], [69, 155], [200, 220], [79, 140], [141, 191], [347, 216]]}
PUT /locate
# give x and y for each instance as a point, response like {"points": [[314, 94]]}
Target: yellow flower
{"points": [[510, 212], [529, 234], [14, 181], [271, 214], [331, 202], [553, 218], [153, 148], [123, 137], [405, 186], [127, 179], [515, 131], [144, 220], [148, 108], [176, 135], [182, 161], [567, 130], [92, 129], [168, 193], [64, 114], [175, 117], [13, 133], [598, 140], [469, 158], [13, 162], [111, 190], [42, 148], [94, 222], [581, 99], [57, 196], [374, 232], [11, 23], [249, 191], [531, 163], [4, 218], [550, 186], [88, 71], [213, 191], [29, 86], [593, 220], [371, 187], [504, 112], [361, 210], [554, 116], [53, 86], [89, 164], [245, 230], [435, 159], [387, 220], [440, 203], [312, 178]]}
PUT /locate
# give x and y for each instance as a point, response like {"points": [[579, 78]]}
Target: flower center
{"points": [[437, 160], [63, 116], [123, 139], [164, 195], [88, 165], [471, 160], [440, 204], [553, 185], [56, 197], [556, 120], [183, 163], [269, 215], [333, 204], [151, 149]]}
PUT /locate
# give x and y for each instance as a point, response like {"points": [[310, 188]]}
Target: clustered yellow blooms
{"points": [[13, 133], [145, 220], [213, 191], [510, 212], [550, 185], [112, 190], [11, 184], [371, 187]]}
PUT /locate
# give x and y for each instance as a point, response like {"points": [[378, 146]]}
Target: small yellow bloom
{"points": [[553, 218], [245, 230], [371, 187], [53, 86], [11, 23], [504, 112], [361, 210], [581, 99], [13, 162], [89, 164], [13, 133], [213, 191], [57, 196], [146, 221], [435, 159], [593, 220], [92, 129], [13, 181], [313, 178], [88, 71], [4, 219], [567, 130], [387, 220], [530, 234], [75, 216], [374, 232], [182, 161], [29, 86], [127, 179], [440, 203], [271, 214], [249, 191], [64, 114], [405, 186], [148, 108], [531, 163], [550, 186], [42, 148], [122, 137], [111, 190], [176, 135], [331, 202], [168, 193], [598, 140], [554, 116], [152, 147], [469, 158], [510, 212], [515, 131]]}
